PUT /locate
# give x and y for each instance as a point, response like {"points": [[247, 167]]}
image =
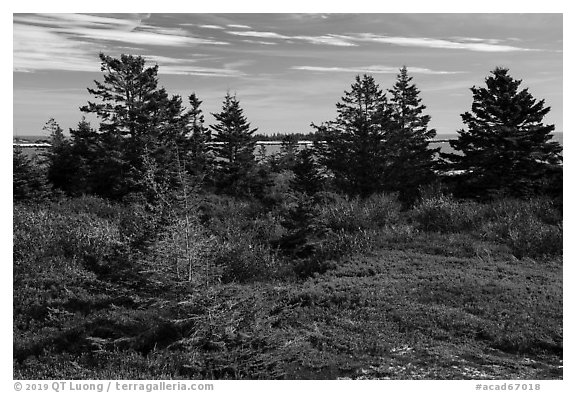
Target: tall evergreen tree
{"points": [[169, 149], [235, 149], [60, 166], [126, 99], [412, 160], [506, 149], [138, 121], [200, 160], [352, 146], [128, 95], [86, 152]]}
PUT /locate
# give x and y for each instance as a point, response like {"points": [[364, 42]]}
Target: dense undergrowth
{"points": [[310, 287]]}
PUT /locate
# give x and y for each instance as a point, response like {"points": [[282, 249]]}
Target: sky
{"points": [[287, 70]]}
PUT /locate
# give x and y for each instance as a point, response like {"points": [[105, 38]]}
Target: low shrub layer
{"points": [[531, 228], [317, 287]]}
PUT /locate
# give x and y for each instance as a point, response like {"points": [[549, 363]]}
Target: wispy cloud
{"points": [[461, 43], [67, 41], [126, 22], [259, 42], [328, 39], [260, 34], [36, 48], [308, 17], [373, 69], [214, 27], [471, 44], [58, 53], [149, 37], [492, 41], [239, 26], [131, 30], [177, 66], [199, 71]]}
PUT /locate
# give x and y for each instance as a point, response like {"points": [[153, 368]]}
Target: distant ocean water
{"points": [[446, 148]]}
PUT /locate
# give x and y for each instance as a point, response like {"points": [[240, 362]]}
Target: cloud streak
{"points": [[260, 34], [239, 26], [199, 71], [374, 69], [213, 27], [470, 44], [328, 39], [177, 66], [456, 43], [260, 42]]}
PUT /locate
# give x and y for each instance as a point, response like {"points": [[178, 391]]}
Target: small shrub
{"points": [[219, 212], [279, 188], [441, 213], [339, 244], [91, 205], [309, 267], [227, 240], [41, 232], [526, 235], [184, 253], [138, 227], [531, 228], [544, 210], [241, 261], [536, 241], [357, 214], [322, 229]]}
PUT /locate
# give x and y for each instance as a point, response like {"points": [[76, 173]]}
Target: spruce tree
{"points": [[235, 149], [506, 149], [199, 159], [29, 182], [412, 160], [286, 158], [169, 149], [126, 100], [128, 96], [86, 153], [351, 147], [138, 121], [60, 167], [307, 177]]}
